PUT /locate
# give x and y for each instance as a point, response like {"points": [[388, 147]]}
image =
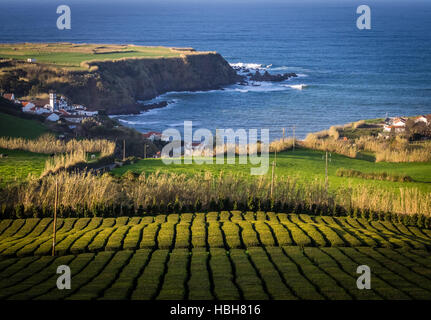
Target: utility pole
{"points": [[328, 158], [54, 234], [284, 131], [124, 150], [145, 152], [294, 127], [273, 173]]}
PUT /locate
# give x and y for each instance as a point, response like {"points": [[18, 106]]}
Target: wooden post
{"points": [[124, 150], [284, 133], [294, 138], [326, 171], [145, 152], [273, 173], [54, 233]]}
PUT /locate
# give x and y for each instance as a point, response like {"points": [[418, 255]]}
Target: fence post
{"points": [[54, 234]]}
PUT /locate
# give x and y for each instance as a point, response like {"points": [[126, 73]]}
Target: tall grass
{"points": [[85, 189], [330, 144], [397, 149], [66, 154], [64, 161], [49, 144], [281, 145]]}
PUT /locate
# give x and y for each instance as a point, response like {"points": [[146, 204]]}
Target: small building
{"points": [[394, 128], [27, 106], [73, 118], [53, 117], [31, 60], [39, 110], [87, 113], [9, 96], [399, 122], [153, 136], [421, 118]]}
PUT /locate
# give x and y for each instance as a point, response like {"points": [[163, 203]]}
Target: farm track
{"points": [[227, 255]]}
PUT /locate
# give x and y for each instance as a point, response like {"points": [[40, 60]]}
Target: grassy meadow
{"points": [[71, 56], [306, 165], [18, 165]]}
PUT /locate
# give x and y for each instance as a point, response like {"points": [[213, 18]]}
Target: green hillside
{"points": [[11, 126]]}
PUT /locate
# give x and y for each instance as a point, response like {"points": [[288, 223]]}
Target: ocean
{"points": [[345, 74]]}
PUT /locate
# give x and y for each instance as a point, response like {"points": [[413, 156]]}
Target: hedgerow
{"points": [[273, 281], [246, 277], [148, 282], [173, 287], [327, 285], [222, 275], [121, 288], [199, 286]]}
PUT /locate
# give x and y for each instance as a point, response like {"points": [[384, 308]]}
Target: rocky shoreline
{"points": [[137, 108], [244, 77]]}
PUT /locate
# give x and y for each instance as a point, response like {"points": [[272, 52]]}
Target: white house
{"points": [[153, 136], [87, 113], [73, 118], [399, 122], [11, 97], [53, 117], [31, 60], [27, 106], [395, 128], [42, 110], [421, 118]]}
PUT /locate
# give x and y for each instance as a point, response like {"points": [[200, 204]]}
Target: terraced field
{"points": [[227, 255]]}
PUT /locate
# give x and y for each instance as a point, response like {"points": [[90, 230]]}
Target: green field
{"points": [[18, 165], [227, 255], [69, 55], [11, 126], [306, 165]]}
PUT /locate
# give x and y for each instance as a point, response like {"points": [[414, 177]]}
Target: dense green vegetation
{"points": [[226, 255], [68, 55], [306, 165], [11, 126]]}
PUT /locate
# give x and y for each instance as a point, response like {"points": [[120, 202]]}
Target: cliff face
{"points": [[115, 86]]}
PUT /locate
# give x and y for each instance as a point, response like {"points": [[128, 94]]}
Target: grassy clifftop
{"points": [[109, 77], [73, 56]]}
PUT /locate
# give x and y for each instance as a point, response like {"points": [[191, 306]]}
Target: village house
{"points": [[399, 122], [27, 106], [424, 118], [73, 118], [395, 125], [153, 136], [11, 97], [55, 109], [53, 117]]}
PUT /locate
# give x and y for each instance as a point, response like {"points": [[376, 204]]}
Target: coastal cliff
{"points": [[116, 85]]}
